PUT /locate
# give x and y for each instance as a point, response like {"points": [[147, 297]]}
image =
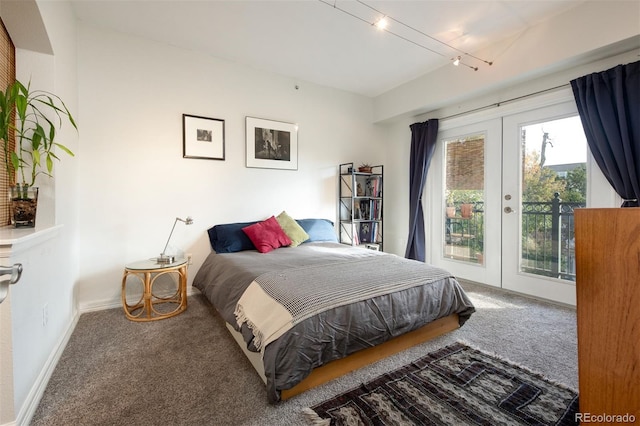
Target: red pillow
{"points": [[267, 235]]}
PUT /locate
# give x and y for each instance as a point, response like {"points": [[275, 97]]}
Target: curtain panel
{"points": [[609, 107], [423, 143]]}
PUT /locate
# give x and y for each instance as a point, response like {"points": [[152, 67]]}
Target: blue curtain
{"points": [[609, 107], [423, 143]]}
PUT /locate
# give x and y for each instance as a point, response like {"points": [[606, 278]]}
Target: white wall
{"points": [[134, 181], [42, 304]]}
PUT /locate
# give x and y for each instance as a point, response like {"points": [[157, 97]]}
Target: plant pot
{"points": [[466, 210], [23, 204], [451, 211], [365, 169]]}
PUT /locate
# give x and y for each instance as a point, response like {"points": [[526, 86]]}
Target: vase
{"points": [[23, 201]]}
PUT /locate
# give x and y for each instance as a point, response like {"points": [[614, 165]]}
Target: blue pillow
{"points": [[318, 230], [229, 238]]}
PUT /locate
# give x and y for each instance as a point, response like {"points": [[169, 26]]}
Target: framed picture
{"points": [[272, 144], [202, 137]]}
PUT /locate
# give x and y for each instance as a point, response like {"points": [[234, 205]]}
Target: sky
{"points": [[567, 138]]}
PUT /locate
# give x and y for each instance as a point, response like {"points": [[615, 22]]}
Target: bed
{"points": [[305, 308]]}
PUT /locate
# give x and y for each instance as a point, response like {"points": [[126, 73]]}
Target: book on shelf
{"points": [[368, 209], [367, 232], [374, 188]]}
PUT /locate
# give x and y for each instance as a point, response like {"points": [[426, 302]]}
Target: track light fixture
{"points": [[383, 22], [457, 61]]}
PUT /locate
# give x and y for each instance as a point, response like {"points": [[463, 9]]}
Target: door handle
{"points": [[15, 273]]}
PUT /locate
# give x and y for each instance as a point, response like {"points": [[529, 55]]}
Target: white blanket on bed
{"points": [[276, 301]]}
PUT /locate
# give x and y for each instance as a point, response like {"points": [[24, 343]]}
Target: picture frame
{"points": [[271, 144], [202, 137]]}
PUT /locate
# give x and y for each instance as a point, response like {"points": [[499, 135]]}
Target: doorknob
{"points": [[16, 273], [508, 209], [507, 197]]}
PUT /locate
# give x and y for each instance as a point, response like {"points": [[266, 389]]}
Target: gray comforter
{"points": [[334, 333]]}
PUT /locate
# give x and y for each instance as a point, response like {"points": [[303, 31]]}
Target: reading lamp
{"points": [[164, 259]]}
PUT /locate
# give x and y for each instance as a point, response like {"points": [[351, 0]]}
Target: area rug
{"points": [[456, 385]]}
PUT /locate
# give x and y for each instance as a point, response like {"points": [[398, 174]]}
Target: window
{"points": [[7, 75], [464, 192]]}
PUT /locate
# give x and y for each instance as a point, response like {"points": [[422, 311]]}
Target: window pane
{"points": [[554, 182], [464, 191]]}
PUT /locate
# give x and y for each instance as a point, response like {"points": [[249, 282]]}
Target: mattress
{"points": [[381, 296]]}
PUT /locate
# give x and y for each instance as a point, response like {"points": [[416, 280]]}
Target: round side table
{"points": [[148, 271]]}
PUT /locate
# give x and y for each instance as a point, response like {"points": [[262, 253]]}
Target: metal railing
{"points": [[548, 244], [466, 231]]}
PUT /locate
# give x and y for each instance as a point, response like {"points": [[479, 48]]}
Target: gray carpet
{"points": [[187, 370]]}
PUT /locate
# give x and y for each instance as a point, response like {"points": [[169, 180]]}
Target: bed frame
{"points": [[340, 367]]}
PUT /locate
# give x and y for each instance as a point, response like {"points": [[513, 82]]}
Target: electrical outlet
{"points": [[45, 314], [189, 260]]}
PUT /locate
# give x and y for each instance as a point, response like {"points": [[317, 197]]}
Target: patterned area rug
{"points": [[456, 385]]}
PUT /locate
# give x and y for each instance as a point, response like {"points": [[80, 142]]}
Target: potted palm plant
{"points": [[32, 117]]}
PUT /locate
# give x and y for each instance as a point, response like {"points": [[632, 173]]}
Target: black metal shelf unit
{"points": [[361, 206]]}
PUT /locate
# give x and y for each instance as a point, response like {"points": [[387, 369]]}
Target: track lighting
{"points": [[383, 25]]}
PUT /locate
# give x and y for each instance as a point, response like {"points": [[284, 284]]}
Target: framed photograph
{"points": [[272, 144], [202, 137]]}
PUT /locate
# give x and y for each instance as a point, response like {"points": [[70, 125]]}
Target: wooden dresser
{"points": [[608, 310]]}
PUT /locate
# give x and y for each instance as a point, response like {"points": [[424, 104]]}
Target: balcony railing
{"points": [[548, 245]]}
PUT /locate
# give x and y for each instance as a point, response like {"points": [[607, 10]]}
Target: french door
{"points": [[506, 189]]}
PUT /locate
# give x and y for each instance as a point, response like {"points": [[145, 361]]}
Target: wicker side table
{"points": [[148, 271]]}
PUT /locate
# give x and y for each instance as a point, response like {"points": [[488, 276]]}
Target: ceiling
{"points": [[311, 40]]}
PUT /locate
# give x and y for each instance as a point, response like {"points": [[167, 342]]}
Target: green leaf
{"points": [[65, 149], [49, 163], [15, 161], [21, 107], [36, 139], [20, 87], [35, 154]]}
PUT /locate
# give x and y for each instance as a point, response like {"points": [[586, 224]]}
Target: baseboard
{"points": [[34, 396], [101, 305], [37, 390], [525, 295]]}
